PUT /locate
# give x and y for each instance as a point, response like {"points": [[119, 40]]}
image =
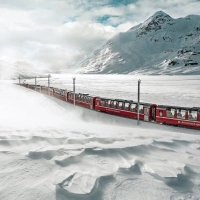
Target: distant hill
{"points": [[14, 70], [160, 45]]}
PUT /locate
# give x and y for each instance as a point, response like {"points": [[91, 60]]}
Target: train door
{"points": [[146, 114], [68, 96], [152, 112], [198, 115], [91, 103]]}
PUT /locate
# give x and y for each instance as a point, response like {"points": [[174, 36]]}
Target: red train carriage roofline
{"points": [[178, 107], [125, 101]]}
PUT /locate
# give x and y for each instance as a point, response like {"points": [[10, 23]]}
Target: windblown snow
{"points": [[51, 150], [160, 45], [14, 70]]}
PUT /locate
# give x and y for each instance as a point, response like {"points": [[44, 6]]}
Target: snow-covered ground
{"points": [[52, 150], [171, 90]]}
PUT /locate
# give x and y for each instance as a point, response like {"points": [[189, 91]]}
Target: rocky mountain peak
{"points": [[159, 45], [160, 15], [155, 22]]}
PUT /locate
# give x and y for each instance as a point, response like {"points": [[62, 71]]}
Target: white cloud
{"points": [[61, 33]]}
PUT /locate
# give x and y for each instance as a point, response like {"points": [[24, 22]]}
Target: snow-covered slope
{"points": [[52, 150], [160, 45]]}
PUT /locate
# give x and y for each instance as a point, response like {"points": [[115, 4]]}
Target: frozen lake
{"points": [[52, 150]]}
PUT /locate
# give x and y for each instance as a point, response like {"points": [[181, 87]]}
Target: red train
{"points": [[163, 114]]}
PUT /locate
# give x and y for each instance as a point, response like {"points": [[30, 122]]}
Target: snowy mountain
{"points": [[160, 45]]}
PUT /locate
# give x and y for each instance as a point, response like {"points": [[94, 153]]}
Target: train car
{"points": [[59, 93], [38, 88], [178, 116], [84, 100], [125, 108], [46, 90], [31, 86], [24, 85], [163, 114]]}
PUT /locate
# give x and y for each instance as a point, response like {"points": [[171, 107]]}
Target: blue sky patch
{"points": [[70, 19], [103, 19], [121, 2]]}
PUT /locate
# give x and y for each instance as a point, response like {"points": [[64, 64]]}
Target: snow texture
{"points": [[160, 45], [51, 150]]}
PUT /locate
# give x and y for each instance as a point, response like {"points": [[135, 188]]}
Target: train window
{"points": [[133, 107], [160, 113], [111, 104], [141, 109], [173, 112], [181, 114], [126, 106], [192, 115], [114, 104], [120, 104], [107, 103], [63, 92], [170, 112], [102, 103]]}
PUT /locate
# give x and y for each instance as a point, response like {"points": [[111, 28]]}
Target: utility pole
{"points": [[74, 88], [49, 84], [138, 109], [19, 79], [35, 82]]}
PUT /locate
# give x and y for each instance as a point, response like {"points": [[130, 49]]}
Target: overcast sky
{"points": [[61, 33]]}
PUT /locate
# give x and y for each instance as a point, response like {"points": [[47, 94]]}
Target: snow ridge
{"points": [[160, 45]]}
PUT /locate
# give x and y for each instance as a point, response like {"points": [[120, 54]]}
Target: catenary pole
{"points": [[74, 88], [35, 82], [48, 84], [138, 108]]}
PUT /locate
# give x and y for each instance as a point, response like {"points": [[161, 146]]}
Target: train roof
{"points": [[178, 107], [58, 88], [123, 100], [83, 94]]}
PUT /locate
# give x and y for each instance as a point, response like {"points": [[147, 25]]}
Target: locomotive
{"points": [[188, 117]]}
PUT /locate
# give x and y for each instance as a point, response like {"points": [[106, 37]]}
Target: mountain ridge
{"points": [[159, 45]]}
